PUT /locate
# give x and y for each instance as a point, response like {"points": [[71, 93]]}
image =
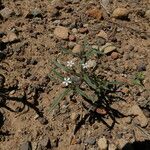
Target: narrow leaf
{"points": [[57, 74], [58, 99], [61, 66], [88, 81], [80, 92]]}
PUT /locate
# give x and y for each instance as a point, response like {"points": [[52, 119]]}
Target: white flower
{"points": [[70, 63], [67, 81], [85, 66]]}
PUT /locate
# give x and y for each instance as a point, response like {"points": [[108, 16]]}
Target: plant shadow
{"points": [[5, 98], [93, 115], [137, 145]]}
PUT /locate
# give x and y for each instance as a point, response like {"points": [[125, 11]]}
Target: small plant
{"points": [[138, 78], [79, 75]]}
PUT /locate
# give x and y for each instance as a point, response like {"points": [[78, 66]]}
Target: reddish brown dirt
{"points": [[27, 65]]}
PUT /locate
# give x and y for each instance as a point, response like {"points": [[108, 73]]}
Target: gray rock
{"points": [[26, 146], [90, 141]]}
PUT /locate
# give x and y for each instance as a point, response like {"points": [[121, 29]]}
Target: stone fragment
{"points": [[102, 143], [95, 47], [114, 55], [71, 45], [61, 32], [147, 14], [141, 118], [74, 30], [6, 13], [107, 48], [90, 141], [91, 63], [11, 37], [102, 34], [83, 30], [95, 13], [77, 49], [120, 13], [72, 38], [26, 146]]}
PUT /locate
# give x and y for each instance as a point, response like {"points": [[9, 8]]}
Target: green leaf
{"points": [[58, 74], [80, 92], [51, 77], [88, 81], [137, 82], [65, 51], [89, 53], [58, 99], [61, 66]]}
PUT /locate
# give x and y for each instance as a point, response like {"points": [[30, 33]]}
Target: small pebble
{"points": [[107, 48], [77, 49], [114, 55], [61, 32], [102, 143], [72, 38], [120, 13], [90, 141], [83, 30]]}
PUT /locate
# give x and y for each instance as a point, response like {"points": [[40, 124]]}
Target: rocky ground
{"points": [[32, 33]]}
